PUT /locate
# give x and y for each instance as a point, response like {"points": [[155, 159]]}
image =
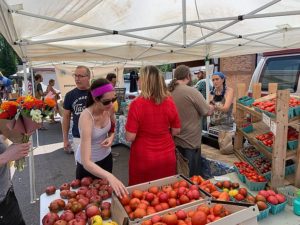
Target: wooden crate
{"points": [[121, 217], [241, 213]]}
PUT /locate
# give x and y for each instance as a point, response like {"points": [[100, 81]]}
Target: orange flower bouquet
{"points": [[19, 119]]}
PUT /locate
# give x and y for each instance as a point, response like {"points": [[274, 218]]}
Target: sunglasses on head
{"points": [[108, 101]]}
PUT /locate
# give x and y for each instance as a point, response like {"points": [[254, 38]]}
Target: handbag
{"points": [[182, 164], [225, 142]]}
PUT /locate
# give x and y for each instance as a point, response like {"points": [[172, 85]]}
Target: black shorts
{"points": [[106, 164], [10, 212]]}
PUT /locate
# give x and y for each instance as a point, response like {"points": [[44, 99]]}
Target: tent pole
{"points": [[234, 36], [237, 19], [207, 76], [31, 158], [184, 22], [33, 197], [111, 32], [60, 39], [151, 47], [25, 78], [275, 14], [33, 94]]}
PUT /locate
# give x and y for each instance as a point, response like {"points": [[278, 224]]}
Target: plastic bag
{"points": [[225, 142], [182, 164]]}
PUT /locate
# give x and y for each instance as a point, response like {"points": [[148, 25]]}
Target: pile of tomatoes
{"points": [[266, 139], [249, 172], [270, 105]]}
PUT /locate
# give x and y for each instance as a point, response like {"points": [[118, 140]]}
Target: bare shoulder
{"points": [[229, 90], [85, 114]]}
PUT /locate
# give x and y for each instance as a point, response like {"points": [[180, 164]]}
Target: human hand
{"points": [[107, 142], [118, 187], [67, 146], [17, 151]]}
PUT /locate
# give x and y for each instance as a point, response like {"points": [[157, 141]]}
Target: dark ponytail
{"points": [[172, 85], [181, 72], [96, 83]]}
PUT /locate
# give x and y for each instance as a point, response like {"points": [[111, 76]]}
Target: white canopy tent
{"points": [[138, 32]]}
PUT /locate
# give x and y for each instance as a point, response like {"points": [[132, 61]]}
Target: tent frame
{"points": [[161, 45], [161, 42]]}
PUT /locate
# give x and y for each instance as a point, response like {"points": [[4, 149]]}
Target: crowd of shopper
{"points": [[160, 120]]}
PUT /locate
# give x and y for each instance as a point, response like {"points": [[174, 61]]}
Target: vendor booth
{"points": [[118, 34]]}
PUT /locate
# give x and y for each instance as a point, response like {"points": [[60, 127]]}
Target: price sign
{"points": [[273, 127], [266, 119]]}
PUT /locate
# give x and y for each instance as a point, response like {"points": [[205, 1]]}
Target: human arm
{"points": [[65, 128], [111, 134], [130, 136], [14, 152], [175, 131], [200, 104], [228, 101], [86, 124], [173, 117], [132, 123], [39, 89]]}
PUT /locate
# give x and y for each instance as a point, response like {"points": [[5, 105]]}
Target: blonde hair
{"points": [[153, 85], [181, 72]]}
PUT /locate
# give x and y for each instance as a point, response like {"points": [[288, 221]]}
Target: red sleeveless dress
{"points": [[152, 153]]}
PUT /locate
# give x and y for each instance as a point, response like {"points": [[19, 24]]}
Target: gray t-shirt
{"points": [[5, 182]]}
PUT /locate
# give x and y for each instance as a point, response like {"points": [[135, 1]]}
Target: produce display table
{"points": [[287, 217]]}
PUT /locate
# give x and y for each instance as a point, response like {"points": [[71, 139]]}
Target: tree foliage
{"points": [[166, 68], [8, 58]]}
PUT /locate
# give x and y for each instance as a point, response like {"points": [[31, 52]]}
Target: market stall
{"points": [[130, 210]]}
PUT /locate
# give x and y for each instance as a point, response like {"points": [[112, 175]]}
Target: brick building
{"points": [[238, 69]]}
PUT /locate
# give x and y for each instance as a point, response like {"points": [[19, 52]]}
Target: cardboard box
{"points": [[121, 217], [241, 213]]}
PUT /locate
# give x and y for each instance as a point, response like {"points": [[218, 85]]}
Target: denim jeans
{"points": [[10, 212], [193, 155]]}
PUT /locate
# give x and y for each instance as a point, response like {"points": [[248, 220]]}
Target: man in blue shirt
{"points": [[74, 104], [201, 87]]}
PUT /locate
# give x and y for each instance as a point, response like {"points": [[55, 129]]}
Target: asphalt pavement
{"points": [[53, 167]]}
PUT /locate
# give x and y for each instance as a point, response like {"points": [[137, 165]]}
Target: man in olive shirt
{"points": [[191, 107]]}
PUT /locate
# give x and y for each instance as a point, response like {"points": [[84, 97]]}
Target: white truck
{"points": [[282, 67]]}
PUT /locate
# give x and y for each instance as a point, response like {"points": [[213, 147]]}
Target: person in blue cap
{"points": [[221, 97], [4, 81]]}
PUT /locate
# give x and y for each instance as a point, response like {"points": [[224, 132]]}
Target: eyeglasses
{"points": [[108, 101], [79, 76]]}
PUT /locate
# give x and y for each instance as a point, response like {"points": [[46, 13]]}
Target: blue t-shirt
{"points": [[75, 101]]}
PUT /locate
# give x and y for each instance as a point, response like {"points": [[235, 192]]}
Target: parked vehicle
{"points": [[282, 67], [126, 76]]}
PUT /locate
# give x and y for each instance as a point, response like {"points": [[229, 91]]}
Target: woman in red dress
{"points": [[151, 123]]}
